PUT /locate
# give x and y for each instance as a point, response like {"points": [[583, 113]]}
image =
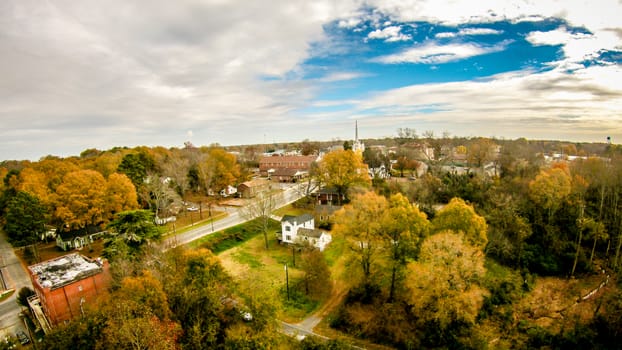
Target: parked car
{"points": [[22, 337]]}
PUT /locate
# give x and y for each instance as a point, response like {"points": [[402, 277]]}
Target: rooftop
{"points": [[67, 269], [300, 218]]}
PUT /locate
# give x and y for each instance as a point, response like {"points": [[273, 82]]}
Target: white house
{"points": [[228, 191], [314, 237], [300, 229]]}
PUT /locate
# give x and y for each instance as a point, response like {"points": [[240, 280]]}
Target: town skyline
{"points": [[88, 75]]}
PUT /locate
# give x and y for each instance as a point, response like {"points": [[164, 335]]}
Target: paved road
{"points": [[15, 277], [290, 194]]}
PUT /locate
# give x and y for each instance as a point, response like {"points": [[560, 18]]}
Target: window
{"points": [[288, 228], [288, 238]]}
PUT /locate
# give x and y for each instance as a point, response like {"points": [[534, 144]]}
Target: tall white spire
{"points": [[357, 145]]}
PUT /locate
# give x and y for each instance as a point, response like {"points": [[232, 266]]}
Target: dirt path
{"points": [[336, 296], [338, 292]]}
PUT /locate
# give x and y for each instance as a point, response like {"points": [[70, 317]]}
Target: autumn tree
{"points": [[458, 216], [81, 199], [200, 296], [361, 223], [218, 170], [36, 183], [444, 284], [55, 170], [404, 228], [132, 317], [343, 170], [480, 152], [549, 189], [316, 274], [106, 162], [120, 194]]}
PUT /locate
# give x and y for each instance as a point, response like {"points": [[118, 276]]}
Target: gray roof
{"points": [[64, 270], [310, 232], [294, 219], [327, 208]]}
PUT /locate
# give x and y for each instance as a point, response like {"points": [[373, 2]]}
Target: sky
{"points": [[76, 75]]}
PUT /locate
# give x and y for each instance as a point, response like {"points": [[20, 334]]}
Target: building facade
{"points": [[65, 285]]}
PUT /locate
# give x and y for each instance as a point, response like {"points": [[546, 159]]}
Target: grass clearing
{"points": [[249, 262], [335, 250], [290, 210], [232, 237], [247, 258]]}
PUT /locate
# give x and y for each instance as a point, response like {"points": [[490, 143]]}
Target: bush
{"points": [[365, 294]]}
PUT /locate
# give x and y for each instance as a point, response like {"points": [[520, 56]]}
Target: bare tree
{"points": [[259, 210]]}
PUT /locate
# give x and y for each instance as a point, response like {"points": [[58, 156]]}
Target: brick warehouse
{"points": [[65, 284]]}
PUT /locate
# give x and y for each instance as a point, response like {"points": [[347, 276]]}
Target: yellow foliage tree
{"points": [[342, 170], [81, 199], [34, 182], [120, 194], [404, 228], [458, 216], [444, 283], [361, 222], [550, 188]]}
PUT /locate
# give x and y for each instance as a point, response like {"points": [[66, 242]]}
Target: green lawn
{"points": [[232, 237], [290, 210], [242, 252]]}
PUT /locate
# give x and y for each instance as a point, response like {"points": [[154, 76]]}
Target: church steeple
{"points": [[357, 145]]}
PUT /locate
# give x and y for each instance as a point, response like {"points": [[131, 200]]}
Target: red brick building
{"points": [[66, 284], [286, 168]]}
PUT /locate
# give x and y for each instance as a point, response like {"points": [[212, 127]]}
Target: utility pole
{"points": [[287, 281]]}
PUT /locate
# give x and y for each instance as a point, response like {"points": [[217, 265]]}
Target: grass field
{"points": [[248, 261]]}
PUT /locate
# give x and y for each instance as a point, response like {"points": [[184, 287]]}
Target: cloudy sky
{"points": [[98, 74]]}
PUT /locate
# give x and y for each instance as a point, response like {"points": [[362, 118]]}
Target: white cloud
{"points": [[390, 34], [515, 104], [577, 47], [77, 75], [468, 31], [445, 35], [602, 18], [433, 53], [341, 76], [118, 73], [480, 31]]}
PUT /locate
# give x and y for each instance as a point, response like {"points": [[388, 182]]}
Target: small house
{"points": [[250, 189], [301, 229], [314, 237]]}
